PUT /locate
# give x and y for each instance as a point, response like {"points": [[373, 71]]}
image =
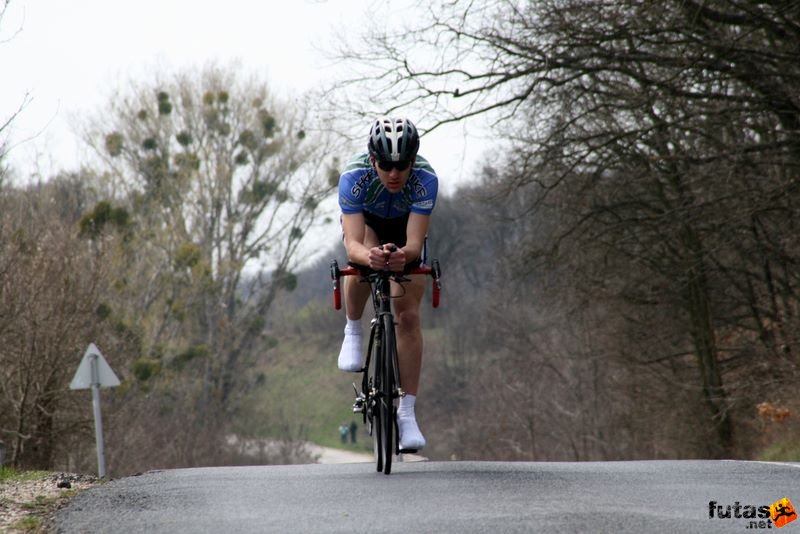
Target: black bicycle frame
{"points": [[380, 383], [382, 304]]}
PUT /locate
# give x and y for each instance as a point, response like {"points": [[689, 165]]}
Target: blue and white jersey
{"points": [[360, 190]]}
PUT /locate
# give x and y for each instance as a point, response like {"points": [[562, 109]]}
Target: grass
{"points": [[29, 523], [38, 510], [303, 395], [781, 451], [9, 474]]}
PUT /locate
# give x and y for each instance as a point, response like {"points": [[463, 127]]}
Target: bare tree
{"points": [[224, 182], [52, 287], [663, 139], [5, 122]]}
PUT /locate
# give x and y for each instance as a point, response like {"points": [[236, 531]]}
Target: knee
{"points": [[408, 320]]}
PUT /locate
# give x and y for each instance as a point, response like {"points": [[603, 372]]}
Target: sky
{"points": [[64, 59], [67, 58]]}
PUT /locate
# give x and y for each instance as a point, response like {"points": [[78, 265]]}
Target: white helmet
{"points": [[393, 139]]}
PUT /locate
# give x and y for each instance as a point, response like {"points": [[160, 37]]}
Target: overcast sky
{"points": [[69, 56]]}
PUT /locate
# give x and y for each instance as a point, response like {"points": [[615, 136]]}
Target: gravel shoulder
{"points": [[29, 503]]}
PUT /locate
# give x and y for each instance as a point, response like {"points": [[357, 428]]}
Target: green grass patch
{"points": [[303, 395], [9, 474], [29, 523], [782, 451], [39, 503]]}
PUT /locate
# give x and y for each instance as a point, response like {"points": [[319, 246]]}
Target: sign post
{"points": [[94, 372]]}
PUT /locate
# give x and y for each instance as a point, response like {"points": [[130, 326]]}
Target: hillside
{"points": [[300, 394]]}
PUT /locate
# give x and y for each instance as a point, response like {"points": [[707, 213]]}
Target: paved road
{"points": [[655, 496], [328, 455]]}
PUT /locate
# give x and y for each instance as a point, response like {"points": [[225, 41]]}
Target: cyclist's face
{"points": [[393, 179]]}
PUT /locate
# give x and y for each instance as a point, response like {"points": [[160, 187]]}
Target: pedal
{"points": [[408, 451], [359, 406]]}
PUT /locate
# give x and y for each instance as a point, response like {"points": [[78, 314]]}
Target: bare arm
{"points": [[416, 231], [371, 254], [354, 228]]}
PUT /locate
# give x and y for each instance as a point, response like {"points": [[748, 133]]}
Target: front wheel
{"points": [[388, 393], [385, 430], [375, 415], [377, 439]]}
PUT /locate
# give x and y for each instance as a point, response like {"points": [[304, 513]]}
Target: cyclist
{"points": [[386, 196]]}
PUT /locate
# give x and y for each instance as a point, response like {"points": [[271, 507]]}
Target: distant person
{"points": [[343, 431], [386, 196], [353, 430]]}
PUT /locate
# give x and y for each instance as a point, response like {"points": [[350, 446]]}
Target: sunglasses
{"points": [[389, 165]]}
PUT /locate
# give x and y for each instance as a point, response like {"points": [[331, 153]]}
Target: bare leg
{"points": [[356, 294], [409, 331], [409, 356]]}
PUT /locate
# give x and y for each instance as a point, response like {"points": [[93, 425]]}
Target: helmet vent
{"points": [[393, 139]]}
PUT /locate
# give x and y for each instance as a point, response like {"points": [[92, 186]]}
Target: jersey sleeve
{"points": [[425, 191], [351, 186], [349, 200]]}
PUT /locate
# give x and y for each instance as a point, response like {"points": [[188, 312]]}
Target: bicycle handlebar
{"points": [[434, 271]]}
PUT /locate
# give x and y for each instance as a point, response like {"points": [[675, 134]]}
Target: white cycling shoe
{"points": [[411, 439], [350, 355]]}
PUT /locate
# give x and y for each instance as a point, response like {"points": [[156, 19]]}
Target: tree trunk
{"points": [[703, 338]]}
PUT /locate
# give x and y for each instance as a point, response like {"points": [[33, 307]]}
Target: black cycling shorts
{"points": [[392, 231], [388, 230]]}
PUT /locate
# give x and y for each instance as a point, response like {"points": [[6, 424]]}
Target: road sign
{"points": [[85, 376], [94, 372]]}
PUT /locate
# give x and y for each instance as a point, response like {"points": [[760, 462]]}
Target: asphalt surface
{"points": [[652, 496]]}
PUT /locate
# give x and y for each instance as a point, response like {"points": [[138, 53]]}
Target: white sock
{"points": [[350, 354], [406, 407], [353, 326]]}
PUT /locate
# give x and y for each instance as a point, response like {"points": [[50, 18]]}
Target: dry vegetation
{"points": [[621, 283], [29, 500]]}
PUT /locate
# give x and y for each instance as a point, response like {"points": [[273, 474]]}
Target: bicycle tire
{"points": [[388, 393], [377, 440], [375, 380]]}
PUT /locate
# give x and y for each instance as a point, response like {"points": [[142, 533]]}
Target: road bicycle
{"points": [[381, 390]]}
